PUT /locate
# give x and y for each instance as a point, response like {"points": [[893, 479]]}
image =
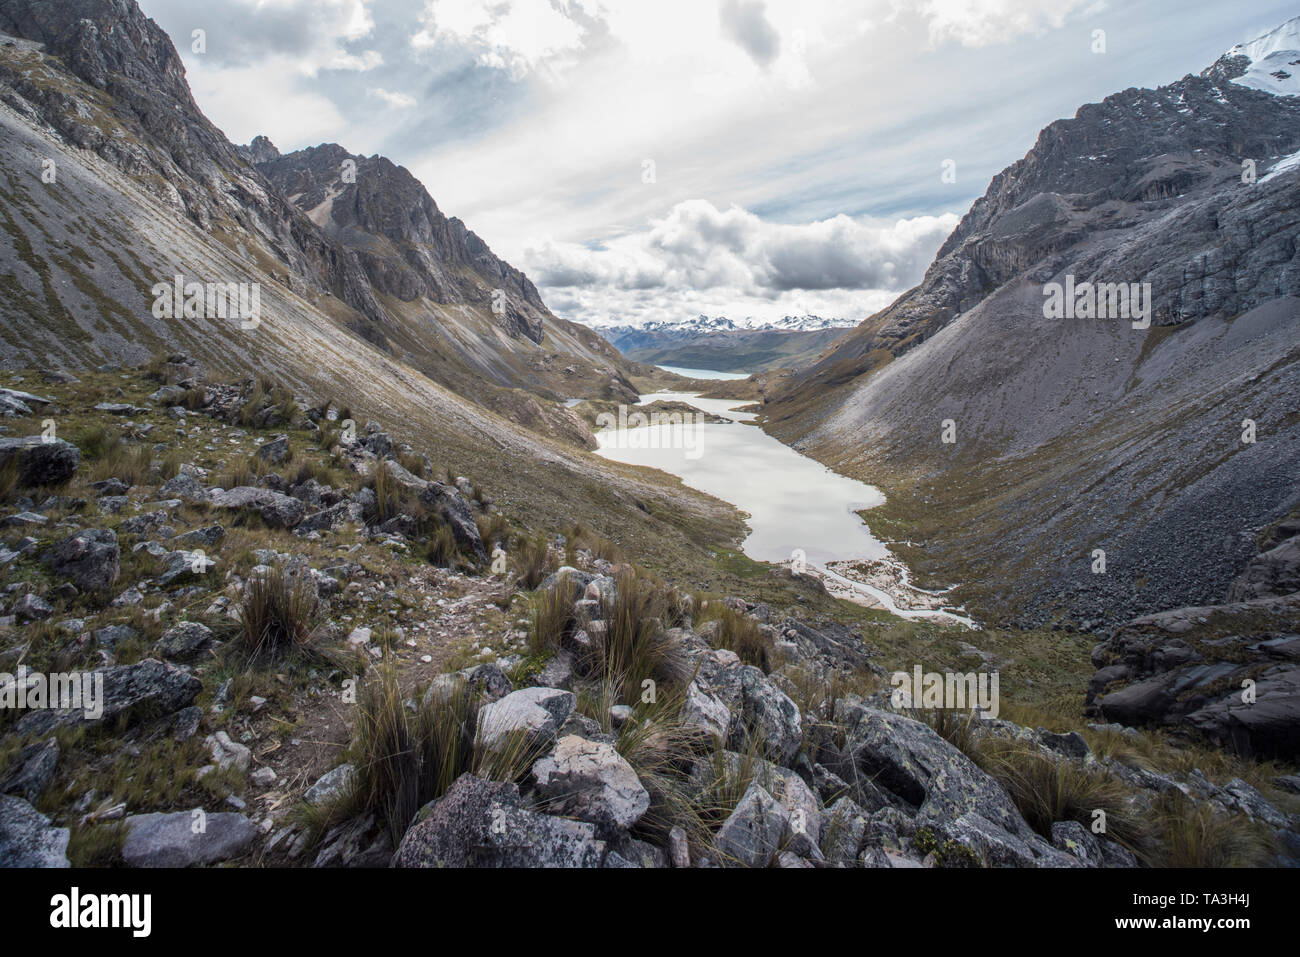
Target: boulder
{"points": [[480, 823], [184, 641], [807, 820], [148, 688], [90, 558], [27, 839], [592, 782], [40, 462], [31, 607], [276, 510], [1274, 572], [536, 713], [450, 505], [228, 753], [331, 785], [951, 793], [769, 711], [185, 838], [184, 487], [30, 772], [1075, 839], [995, 846], [846, 828], [751, 835], [275, 451]]}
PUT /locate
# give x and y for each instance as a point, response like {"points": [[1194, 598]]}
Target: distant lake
{"points": [[794, 504], [704, 373]]}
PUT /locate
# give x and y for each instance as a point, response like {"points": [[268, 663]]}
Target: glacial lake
{"points": [[794, 503], [704, 373]]}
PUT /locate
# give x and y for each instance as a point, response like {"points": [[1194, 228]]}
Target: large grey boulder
{"points": [[591, 781], [1075, 839], [995, 846], [1230, 672], [807, 821], [951, 794], [185, 838], [751, 835], [1274, 572], [31, 771], [184, 487], [768, 711], [275, 450], [26, 837], [715, 696], [480, 823], [184, 641], [331, 785], [40, 462], [910, 760], [89, 558], [446, 502], [277, 510], [146, 689], [534, 713], [846, 828], [336, 515]]}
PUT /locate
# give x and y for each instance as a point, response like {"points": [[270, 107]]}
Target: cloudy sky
{"points": [[657, 159]]}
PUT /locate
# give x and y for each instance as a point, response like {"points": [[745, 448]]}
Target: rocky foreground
{"points": [[315, 652]]}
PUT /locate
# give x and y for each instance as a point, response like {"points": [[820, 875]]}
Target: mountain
{"points": [[1079, 434], [722, 344], [114, 183], [401, 274]]}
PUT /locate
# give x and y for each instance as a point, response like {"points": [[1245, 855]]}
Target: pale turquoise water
{"points": [[796, 506], [704, 373]]}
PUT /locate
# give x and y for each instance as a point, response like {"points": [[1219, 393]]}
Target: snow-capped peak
{"points": [[1274, 60]]}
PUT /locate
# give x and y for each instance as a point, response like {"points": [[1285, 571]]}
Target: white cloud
{"points": [[978, 23], [519, 36], [733, 259], [264, 60], [235, 101], [399, 100]]}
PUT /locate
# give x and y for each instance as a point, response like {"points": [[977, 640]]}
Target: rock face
{"points": [[590, 780], [1226, 671], [534, 713], [751, 834], [480, 823], [40, 462], [1274, 572], [26, 837], [184, 641], [143, 690], [276, 509], [90, 558], [380, 199], [185, 838], [31, 771], [1144, 187], [448, 503]]}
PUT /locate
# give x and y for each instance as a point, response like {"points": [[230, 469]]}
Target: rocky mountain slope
{"points": [[112, 181], [300, 644], [102, 78], [1078, 434]]}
